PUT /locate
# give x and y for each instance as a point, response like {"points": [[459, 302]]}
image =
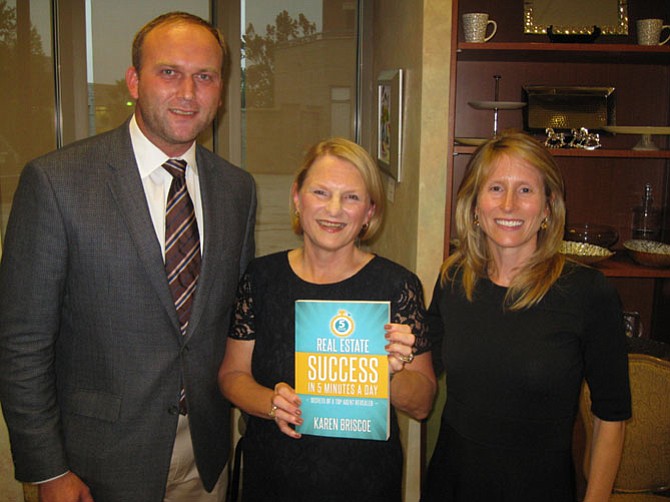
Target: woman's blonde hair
{"points": [[471, 256], [356, 155]]}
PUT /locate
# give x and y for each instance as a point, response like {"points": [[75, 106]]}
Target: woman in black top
{"points": [[517, 329], [338, 200]]}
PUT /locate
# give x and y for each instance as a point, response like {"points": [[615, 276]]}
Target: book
{"points": [[341, 368]]}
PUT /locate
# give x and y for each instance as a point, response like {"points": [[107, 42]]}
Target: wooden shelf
{"points": [[606, 153], [556, 52], [620, 265], [599, 153]]}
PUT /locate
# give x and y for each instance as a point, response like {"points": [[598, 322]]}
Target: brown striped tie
{"points": [[182, 247]]}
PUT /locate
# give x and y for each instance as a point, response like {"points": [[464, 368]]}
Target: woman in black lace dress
{"points": [[338, 200]]}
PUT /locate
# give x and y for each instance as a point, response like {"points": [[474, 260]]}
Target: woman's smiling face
{"points": [[334, 204], [511, 205]]}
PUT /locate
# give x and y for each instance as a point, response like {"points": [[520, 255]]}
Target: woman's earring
{"points": [[476, 220], [545, 224]]}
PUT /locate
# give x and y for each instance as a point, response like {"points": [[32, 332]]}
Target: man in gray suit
{"points": [[93, 354]]}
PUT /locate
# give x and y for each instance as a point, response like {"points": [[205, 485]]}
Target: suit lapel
{"points": [[215, 248], [126, 187]]}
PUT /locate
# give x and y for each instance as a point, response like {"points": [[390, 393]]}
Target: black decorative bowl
{"points": [[592, 233]]}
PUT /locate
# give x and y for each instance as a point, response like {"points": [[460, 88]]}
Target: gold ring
{"points": [[272, 412], [407, 359]]}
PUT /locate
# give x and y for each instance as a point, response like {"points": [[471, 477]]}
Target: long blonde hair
{"points": [[471, 257]]}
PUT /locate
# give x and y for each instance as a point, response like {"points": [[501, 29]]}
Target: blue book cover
{"points": [[341, 368]]}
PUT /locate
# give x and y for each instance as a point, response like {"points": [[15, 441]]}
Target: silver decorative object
{"points": [[578, 138], [554, 139], [582, 138]]}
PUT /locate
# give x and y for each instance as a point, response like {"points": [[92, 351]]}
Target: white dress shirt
{"points": [[156, 181]]}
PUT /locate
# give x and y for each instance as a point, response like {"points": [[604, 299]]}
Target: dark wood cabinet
{"points": [[602, 186]]}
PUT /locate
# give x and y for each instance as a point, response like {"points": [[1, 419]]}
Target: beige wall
{"points": [[415, 35]]}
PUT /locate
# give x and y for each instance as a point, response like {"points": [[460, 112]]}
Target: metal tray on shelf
{"points": [[569, 107]]}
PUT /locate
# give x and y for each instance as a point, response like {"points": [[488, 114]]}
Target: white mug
{"points": [[475, 25], [649, 31]]}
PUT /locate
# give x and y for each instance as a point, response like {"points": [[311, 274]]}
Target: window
{"points": [[298, 86], [27, 90], [88, 95], [296, 78]]}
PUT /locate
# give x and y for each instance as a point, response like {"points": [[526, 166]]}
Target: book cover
{"points": [[341, 368]]}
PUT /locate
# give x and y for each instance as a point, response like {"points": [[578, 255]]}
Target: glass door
{"points": [[298, 67], [57, 94], [27, 89]]}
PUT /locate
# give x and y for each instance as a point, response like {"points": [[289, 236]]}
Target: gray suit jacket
{"points": [[91, 356]]}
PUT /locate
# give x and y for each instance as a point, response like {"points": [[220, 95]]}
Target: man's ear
{"points": [[132, 82]]}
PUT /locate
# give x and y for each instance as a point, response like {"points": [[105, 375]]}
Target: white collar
{"points": [[148, 156]]}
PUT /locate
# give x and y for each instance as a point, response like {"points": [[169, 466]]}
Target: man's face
{"points": [[178, 89]]}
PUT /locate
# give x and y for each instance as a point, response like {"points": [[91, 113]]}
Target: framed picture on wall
{"points": [[389, 122]]}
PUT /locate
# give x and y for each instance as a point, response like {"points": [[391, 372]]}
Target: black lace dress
{"points": [[275, 466]]}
